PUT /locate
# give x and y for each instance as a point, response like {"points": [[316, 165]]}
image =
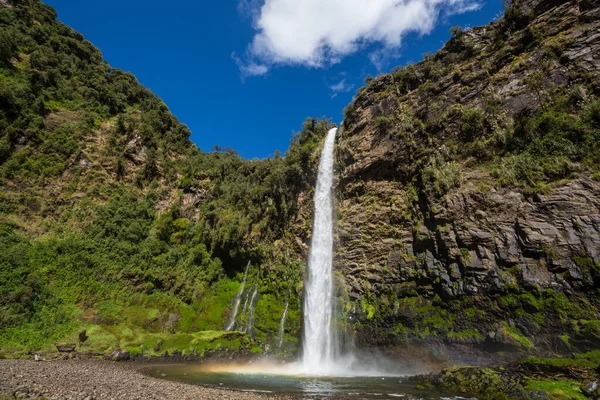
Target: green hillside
{"points": [[467, 201], [112, 220]]}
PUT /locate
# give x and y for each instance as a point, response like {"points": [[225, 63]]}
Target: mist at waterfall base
{"points": [[323, 368]]}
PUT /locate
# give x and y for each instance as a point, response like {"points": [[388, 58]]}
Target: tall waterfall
{"points": [[238, 299], [318, 345]]}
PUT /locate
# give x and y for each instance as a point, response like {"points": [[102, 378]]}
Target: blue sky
{"points": [[245, 76]]}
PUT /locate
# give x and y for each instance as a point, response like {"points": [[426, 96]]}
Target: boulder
{"points": [[66, 348], [120, 355]]}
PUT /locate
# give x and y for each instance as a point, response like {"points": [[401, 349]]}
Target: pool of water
{"points": [[298, 385]]}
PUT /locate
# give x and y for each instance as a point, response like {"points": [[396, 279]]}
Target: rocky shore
{"points": [[575, 377], [95, 379]]}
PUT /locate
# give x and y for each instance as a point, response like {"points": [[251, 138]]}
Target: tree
{"points": [[536, 81], [456, 31], [4, 148], [8, 45], [150, 169]]}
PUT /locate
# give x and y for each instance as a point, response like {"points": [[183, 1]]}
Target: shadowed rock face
{"points": [[491, 266], [538, 7], [474, 237]]}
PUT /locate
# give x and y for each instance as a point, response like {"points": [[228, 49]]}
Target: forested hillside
{"points": [[112, 221]]}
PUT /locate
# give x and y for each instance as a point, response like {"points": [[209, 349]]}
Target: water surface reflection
{"points": [[304, 387]]}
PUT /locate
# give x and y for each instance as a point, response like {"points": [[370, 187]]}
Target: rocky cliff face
{"points": [[442, 238]]}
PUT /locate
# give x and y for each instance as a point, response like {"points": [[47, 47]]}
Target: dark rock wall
{"points": [[483, 267]]}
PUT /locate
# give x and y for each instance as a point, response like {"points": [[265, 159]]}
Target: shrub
{"points": [[531, 38], [456, 31], [442, 178], [406, 78], [8, 45], [472, 125], [4, 148], [383, 123], [591, 114], [350, 115], [514, 18], [526, 170]]}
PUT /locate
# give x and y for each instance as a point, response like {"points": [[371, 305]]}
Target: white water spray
{"points": [[238, 300], [318, 346]]}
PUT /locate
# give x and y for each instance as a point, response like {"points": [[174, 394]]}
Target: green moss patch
{"points": [[589, 360], [557, 390], [137, 341], [512, 336], [467, 335]]}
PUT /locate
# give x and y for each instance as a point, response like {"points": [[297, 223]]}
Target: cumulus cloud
{"points": [[316, 33]]}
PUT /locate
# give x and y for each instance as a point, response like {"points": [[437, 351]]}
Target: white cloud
{"points": [[253, 69], [249, 68], [340, 87], [316, 33], [250, 9]]}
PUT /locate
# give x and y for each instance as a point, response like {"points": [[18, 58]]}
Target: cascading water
{"points": [[282, 324], [246, 302], [318, 344], [250, 324], [238, 300]]}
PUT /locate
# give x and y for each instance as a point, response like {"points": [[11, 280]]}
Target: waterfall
{"points": [[238, 300], [250, 325], [318, 304], [246, 303], [282, 324]]}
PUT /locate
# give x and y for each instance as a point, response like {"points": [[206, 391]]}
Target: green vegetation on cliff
{"points": [[111, 220]]}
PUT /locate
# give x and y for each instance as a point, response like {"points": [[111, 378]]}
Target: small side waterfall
{"points": [[238, 300], [318, 344], [282, 324], [250, 322], [246, 303]]}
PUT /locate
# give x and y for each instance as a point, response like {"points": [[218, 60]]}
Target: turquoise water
{"points": [[302, 387]]}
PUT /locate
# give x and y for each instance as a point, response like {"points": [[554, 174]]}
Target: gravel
{"points": [[96, 379]]}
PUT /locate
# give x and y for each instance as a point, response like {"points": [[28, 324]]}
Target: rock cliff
{"points": [[462, 223]]}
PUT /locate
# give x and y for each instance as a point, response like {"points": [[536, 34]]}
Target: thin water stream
{"points": [[238, 299], [282, 324]]}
